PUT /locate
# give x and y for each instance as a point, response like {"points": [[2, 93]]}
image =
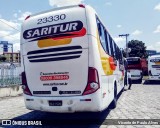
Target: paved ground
{"points": [[141, 102]]}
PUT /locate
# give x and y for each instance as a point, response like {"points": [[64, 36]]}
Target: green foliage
{"points": [[138, 49]]}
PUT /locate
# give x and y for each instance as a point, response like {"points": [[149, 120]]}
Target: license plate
{"points": [[55, 103]]}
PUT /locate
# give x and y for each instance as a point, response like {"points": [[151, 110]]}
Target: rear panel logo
{"points": [[56, 31]]}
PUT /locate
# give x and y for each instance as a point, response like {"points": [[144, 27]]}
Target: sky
{"points": [[138, 18]]}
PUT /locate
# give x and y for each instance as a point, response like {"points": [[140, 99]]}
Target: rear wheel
{"points": [[140, 81], [114, 102]]}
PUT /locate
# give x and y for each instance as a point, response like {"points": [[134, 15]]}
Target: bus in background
{"points": [[71, 63], [154, 67], [135, 68]]}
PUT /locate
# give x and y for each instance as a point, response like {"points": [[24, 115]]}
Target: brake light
{"points": [[81, 5], [25, 85], [24, 81], [27, 17], [93, 82]]}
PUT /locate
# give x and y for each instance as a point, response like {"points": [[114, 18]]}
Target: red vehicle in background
{"points": [[144, 66], [137, 68]]}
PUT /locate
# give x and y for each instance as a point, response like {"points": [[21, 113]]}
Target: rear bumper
{"points": [[154, 77], [136, 78], [69, 104]]}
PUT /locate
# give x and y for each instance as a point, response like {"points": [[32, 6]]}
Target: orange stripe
{"points": [[51, 42]]}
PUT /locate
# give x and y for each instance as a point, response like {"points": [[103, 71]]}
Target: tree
{"points": [[138, 49]]}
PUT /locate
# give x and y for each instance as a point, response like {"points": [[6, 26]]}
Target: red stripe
{"points": [[82, 32]]}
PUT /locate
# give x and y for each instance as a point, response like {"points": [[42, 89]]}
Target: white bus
{"points": [[135, 68], [71, 63], [154, 67]]}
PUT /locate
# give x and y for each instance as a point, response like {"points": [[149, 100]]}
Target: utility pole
{"points": [[12, 52], [126, 35]]}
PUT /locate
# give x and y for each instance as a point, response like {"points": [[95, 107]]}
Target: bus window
{"points": [[101, 34], [106, 39], [116, 52], [114, 49], [111, 46]]}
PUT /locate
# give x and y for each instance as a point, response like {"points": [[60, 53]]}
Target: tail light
{"points": [[81, 5], [27, 17], [93, 82], [150, 73], [25, 85], [112, 63]]}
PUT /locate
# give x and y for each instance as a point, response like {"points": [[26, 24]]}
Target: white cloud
{"points": [[157, 7], [119, 26], [9, 30], [108, 3], [137, 33], [15, 15], [150, 47], [60, 3], [4, 33], [16, 47], [8, 25], [154, 46], [19, 11], [14, 39], [157, 29], [8, 33], [24, 15], [121, 42], [119, 39]]}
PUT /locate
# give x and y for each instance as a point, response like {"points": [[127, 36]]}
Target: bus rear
{"points": [[154, 67], [57, 76], [134, 66]]}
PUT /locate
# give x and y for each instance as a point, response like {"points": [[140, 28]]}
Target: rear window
{"points": [[133, 61]]}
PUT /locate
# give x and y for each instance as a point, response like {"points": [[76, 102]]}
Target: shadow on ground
{"points": [[151, 82], [48, 120], [78, 120]]}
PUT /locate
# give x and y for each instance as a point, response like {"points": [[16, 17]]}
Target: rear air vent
{"points": [[55, 54]]}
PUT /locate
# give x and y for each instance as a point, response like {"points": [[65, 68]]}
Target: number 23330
{"points": [[51, 18]]}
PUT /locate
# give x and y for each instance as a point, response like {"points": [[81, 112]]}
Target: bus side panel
{"points": [[95, 59]]}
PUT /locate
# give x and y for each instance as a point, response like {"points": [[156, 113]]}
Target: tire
{"points": [[122, 90], [114, 102], [140, 81]]}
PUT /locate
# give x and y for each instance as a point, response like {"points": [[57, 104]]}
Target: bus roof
{"points": [[58, 8]]}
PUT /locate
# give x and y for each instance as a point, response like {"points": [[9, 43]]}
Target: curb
{"points": [[11, 91]]}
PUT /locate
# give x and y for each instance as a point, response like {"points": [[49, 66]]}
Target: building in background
{"points": [[15, 55], [6, 49], [151, 52]]}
